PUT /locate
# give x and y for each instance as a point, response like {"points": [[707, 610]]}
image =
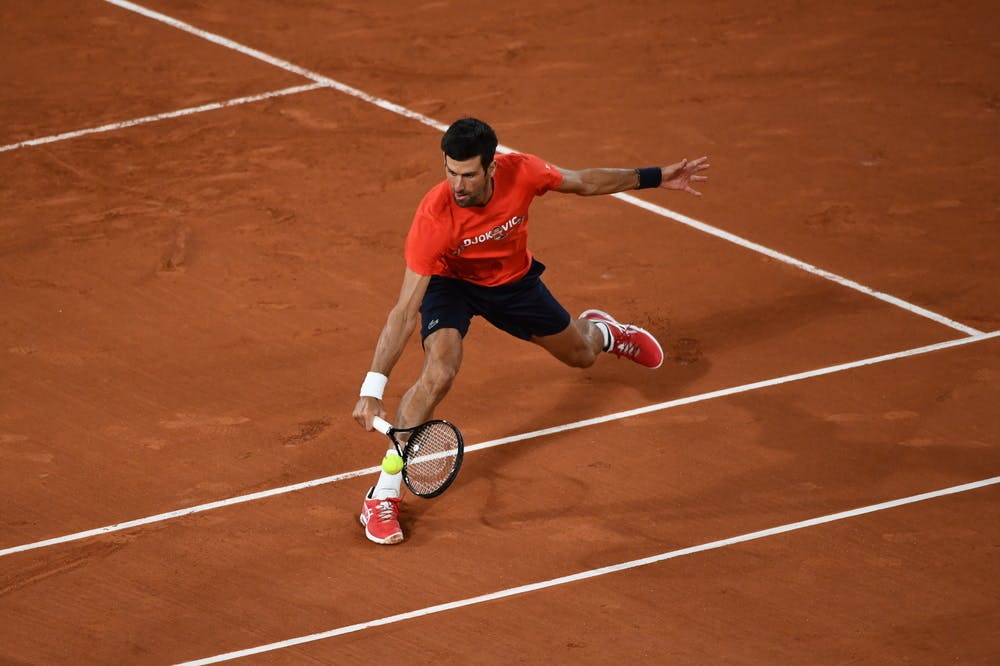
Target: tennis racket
{"points": [[431, 453]]}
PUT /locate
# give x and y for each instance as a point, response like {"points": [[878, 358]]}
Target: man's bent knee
{"points": [[443, 357], [572, 346], [436, 379]]}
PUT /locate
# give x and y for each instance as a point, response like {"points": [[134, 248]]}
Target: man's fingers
{"points": [[679, 175], [364, 420]]}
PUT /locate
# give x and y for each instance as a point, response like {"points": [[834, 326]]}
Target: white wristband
{"points": [[374, 385]]}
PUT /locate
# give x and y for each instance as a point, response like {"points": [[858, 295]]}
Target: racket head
{"points": [[432, 457]]}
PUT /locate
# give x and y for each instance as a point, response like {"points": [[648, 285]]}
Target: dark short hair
{"points": [[469, 137]]}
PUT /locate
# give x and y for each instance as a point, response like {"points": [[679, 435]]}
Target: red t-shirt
{"points": [[486, 245]]}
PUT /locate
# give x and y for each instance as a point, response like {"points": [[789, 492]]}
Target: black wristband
{"points": [[649, 177]]}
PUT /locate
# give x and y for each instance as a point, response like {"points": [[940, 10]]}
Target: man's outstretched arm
{"points": [[679, 176]]}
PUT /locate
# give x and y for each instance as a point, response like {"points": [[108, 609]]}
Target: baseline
{"points": [[232, 501], [594, 573]]}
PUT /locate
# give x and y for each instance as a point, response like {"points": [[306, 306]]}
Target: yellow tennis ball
{"points": [[392, 463]]}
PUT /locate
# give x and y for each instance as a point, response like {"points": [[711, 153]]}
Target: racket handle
{"points": [[381, 425]]}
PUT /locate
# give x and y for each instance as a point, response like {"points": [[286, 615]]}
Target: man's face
{"points": [[471, 185]]}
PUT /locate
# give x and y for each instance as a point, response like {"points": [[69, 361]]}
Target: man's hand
{"points": [[366, 410], [680, 176]]}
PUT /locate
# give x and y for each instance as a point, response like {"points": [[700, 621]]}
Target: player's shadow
{"points": [[510, 386]]}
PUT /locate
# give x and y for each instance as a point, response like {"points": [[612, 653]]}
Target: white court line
{"points": [[809, 268], [584, 575], [179, 513], [743, 388], [594, 573], [161, 116], [278, 62]]}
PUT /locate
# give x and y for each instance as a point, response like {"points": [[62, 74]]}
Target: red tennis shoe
{"points": [[381, 519], [629, 341]]}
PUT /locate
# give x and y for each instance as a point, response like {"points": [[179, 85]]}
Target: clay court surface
{"points": [[203, 210]]}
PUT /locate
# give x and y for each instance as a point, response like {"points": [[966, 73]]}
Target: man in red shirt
{"points": [[466, 255]]}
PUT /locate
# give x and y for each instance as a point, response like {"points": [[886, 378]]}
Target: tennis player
{"points": [[467, 255]]}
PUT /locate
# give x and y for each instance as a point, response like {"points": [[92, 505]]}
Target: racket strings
{"points": [[432, 454]]}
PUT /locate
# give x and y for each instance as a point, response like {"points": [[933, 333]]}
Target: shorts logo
{"points": [[433, 323]]}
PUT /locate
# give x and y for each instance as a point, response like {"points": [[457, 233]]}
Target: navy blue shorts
{"points": [[524, 308]]}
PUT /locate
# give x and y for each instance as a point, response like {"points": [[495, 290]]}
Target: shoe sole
{"points": [[388, 541], [600, 315]]}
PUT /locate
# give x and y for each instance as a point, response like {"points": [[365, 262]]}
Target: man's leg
{"points": [[442, 359], [581, 340], [577, 345]]}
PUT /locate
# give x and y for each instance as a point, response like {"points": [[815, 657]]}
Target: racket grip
{"points": [[381, 425]]}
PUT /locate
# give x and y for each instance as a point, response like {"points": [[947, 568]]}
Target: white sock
{"points": [[388, 485], [606, 332]]}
